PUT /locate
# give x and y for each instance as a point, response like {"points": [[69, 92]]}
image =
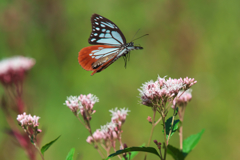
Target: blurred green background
{"points": [[199, 39]]}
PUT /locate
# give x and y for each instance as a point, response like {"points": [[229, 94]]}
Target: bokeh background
{"points": [[199, 39]]}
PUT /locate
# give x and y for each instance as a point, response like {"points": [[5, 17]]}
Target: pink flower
{"points": [[149, 119], [90, 140], [152, 93], [189, 82], [82, 104], [107, 130], [27, 120], [13, 69], [182, 99], [72, 103], [88, 101], [119, 115], [98, 135]]}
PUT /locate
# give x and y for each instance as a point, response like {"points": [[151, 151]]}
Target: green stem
{"points": [[171, 125], [38, 150], [165, 137]]}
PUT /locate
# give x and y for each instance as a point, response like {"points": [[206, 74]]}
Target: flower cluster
{"points": [[110, 132], [13, 69], [119, 116], [107, 132], [29, 124], [162, 89], [182, 98], [82, 104], [27, 120]]}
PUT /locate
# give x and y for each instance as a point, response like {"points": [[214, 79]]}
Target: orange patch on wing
{"points": [[86, 61]]}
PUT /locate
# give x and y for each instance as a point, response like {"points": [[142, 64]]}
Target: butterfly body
{"points": [[109, 44]]}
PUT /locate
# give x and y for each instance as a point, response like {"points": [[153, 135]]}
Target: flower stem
{"points": [[38, 150], [165, 137], [153, 125], [171, 125], [181, 137], [150, 138]]}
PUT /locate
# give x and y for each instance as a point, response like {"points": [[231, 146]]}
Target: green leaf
{"points": [[168, 124], [175, 152], [70, 154], [191, 142], [133, 154], [130, 149], [46, 146]]}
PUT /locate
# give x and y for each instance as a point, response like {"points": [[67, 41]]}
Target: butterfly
{"points": [[109, 44]]}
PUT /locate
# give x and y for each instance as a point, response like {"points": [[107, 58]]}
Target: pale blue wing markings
{"points": [[109, 24], [97, 54], [110, 41], [108, 31], [97, 28], [108, 35], [102, 51], [117, 36], [102, 25], [93, 39], [103, 30], [95, 34], [96, 23], [101, 35], [106, 54]]}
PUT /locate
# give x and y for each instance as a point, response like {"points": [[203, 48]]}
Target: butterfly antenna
{"points": [[140, 37], [135, 35]]}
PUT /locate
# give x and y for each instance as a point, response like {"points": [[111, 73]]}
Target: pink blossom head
{"points": [[73, 104], [108, 131], [82, 104], [183, 98], [13, 69], [87, 101], [189, 82], [97, 136], [119, 115], [149, 92], [152, 93], [27, 120]]}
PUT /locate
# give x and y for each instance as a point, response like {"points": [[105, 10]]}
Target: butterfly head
{"points": [[131, 45]]}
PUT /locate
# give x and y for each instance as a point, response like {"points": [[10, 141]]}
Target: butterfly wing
{"points": [[97, 58], [105, 32]]}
